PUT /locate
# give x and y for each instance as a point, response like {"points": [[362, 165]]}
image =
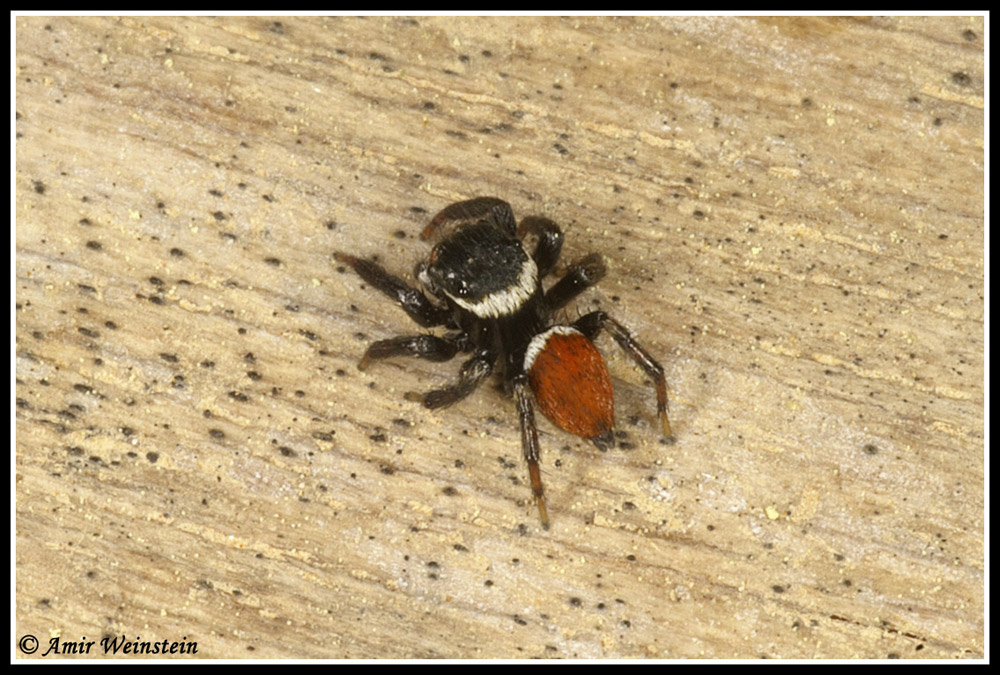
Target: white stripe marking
{"points": [[538, 343], [506, 301]]}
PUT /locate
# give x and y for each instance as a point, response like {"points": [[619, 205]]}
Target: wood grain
{"points": [[792, 213]]}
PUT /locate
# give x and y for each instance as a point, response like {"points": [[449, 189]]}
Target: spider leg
{"points": [[583, 274], [428, 347], [550, 241], [413, 301], [496, 210], [472, 374], [592, 324], [529, 444]]}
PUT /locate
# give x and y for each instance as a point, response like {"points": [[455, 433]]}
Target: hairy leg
{"points": [[472, 210], [582, 274], [428, 347], [529, 444], [591, 326], [472, 374], [550, 241], [413, 301]]}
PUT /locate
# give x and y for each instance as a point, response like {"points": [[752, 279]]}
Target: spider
{"points": [[487, 291]]}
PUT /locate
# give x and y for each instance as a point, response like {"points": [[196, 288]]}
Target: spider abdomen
{"points": [[571, 383]]}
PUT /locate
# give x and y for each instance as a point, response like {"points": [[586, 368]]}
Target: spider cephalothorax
{"points": [[487, 290]]}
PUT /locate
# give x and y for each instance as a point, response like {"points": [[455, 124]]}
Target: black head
{"points": [[483, 270]]}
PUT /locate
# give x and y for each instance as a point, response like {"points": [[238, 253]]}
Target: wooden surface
{"points": [[792, 214]]}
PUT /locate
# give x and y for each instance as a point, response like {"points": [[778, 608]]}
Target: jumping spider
{"points": [[487, 291]]}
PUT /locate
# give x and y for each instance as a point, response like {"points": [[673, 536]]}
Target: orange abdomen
{"points": [[571, 383]]}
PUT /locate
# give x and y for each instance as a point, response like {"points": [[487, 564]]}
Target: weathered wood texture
{"points": [[792, 213]]}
